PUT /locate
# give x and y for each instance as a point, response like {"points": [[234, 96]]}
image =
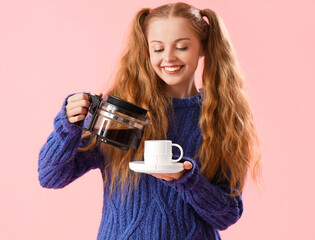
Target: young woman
{"points": [[214, 126]]}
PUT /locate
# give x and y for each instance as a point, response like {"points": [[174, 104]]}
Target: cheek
{"points": [[193, 60], [154, 61], [155, 65]]}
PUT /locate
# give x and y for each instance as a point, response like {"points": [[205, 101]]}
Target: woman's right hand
{"points": [[77, 107]]}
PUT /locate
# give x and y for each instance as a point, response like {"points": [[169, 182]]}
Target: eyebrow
{"points": [[177, 40]]}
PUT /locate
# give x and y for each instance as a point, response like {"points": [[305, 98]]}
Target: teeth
{"points": [[172, 69]]}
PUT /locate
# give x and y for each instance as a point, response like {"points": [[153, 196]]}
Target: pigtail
{"points": [[229, 134]]}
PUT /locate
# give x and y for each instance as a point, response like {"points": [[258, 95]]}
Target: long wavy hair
{"points": [[230, 143]]}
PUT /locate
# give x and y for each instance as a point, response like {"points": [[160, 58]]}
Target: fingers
{"points": [[77, 118], [174, 176], [78, 97], [187, 165], [166, 177], [77, 114], [77, 107], [78, 104]]}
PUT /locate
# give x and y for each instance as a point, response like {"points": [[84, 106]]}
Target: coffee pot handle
{"points": [[96, 102]]}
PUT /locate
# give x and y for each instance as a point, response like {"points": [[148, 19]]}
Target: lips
{"points": [[172, 69]]}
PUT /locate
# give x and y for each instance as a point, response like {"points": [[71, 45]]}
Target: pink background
{"points": [[49, 49]]}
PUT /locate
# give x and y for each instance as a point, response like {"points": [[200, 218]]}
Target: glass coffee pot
{"points": [[117, 122]]}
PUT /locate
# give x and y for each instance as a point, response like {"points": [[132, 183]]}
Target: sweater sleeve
{"points": [[210, 201], [60, 162]]}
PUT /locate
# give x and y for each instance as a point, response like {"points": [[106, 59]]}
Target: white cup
{"points": [[159, 152]]}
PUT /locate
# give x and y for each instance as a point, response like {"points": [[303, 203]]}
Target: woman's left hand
{"points": [[173, 176]]}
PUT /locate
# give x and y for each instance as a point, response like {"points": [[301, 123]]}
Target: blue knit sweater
{"points": [[188, 208]]}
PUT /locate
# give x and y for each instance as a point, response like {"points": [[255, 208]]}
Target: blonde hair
{"points": [[230, 146]]}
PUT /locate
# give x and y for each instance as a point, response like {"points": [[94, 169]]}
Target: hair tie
{"points": [[150, 10], [203, 12]]}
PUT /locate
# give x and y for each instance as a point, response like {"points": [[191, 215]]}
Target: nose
{"points": [[169, 56]]}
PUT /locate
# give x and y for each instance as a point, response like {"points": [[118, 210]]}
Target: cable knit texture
{"points": [[188, 208]]}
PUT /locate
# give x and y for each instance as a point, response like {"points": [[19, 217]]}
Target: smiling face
{"points": [[174, 54]]}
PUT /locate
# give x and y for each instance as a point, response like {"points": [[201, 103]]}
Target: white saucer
{"points": [[140, 166]]}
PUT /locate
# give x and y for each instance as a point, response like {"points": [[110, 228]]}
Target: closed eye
{"points": [[182, 49], [158, 50]]}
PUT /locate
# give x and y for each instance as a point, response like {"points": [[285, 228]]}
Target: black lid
{"points": [[126, 105]]}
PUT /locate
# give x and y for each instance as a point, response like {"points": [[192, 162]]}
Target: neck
{"points": [[182, 92]]}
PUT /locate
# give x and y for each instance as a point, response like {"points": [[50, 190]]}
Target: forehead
{"points": [[170, 29]]}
